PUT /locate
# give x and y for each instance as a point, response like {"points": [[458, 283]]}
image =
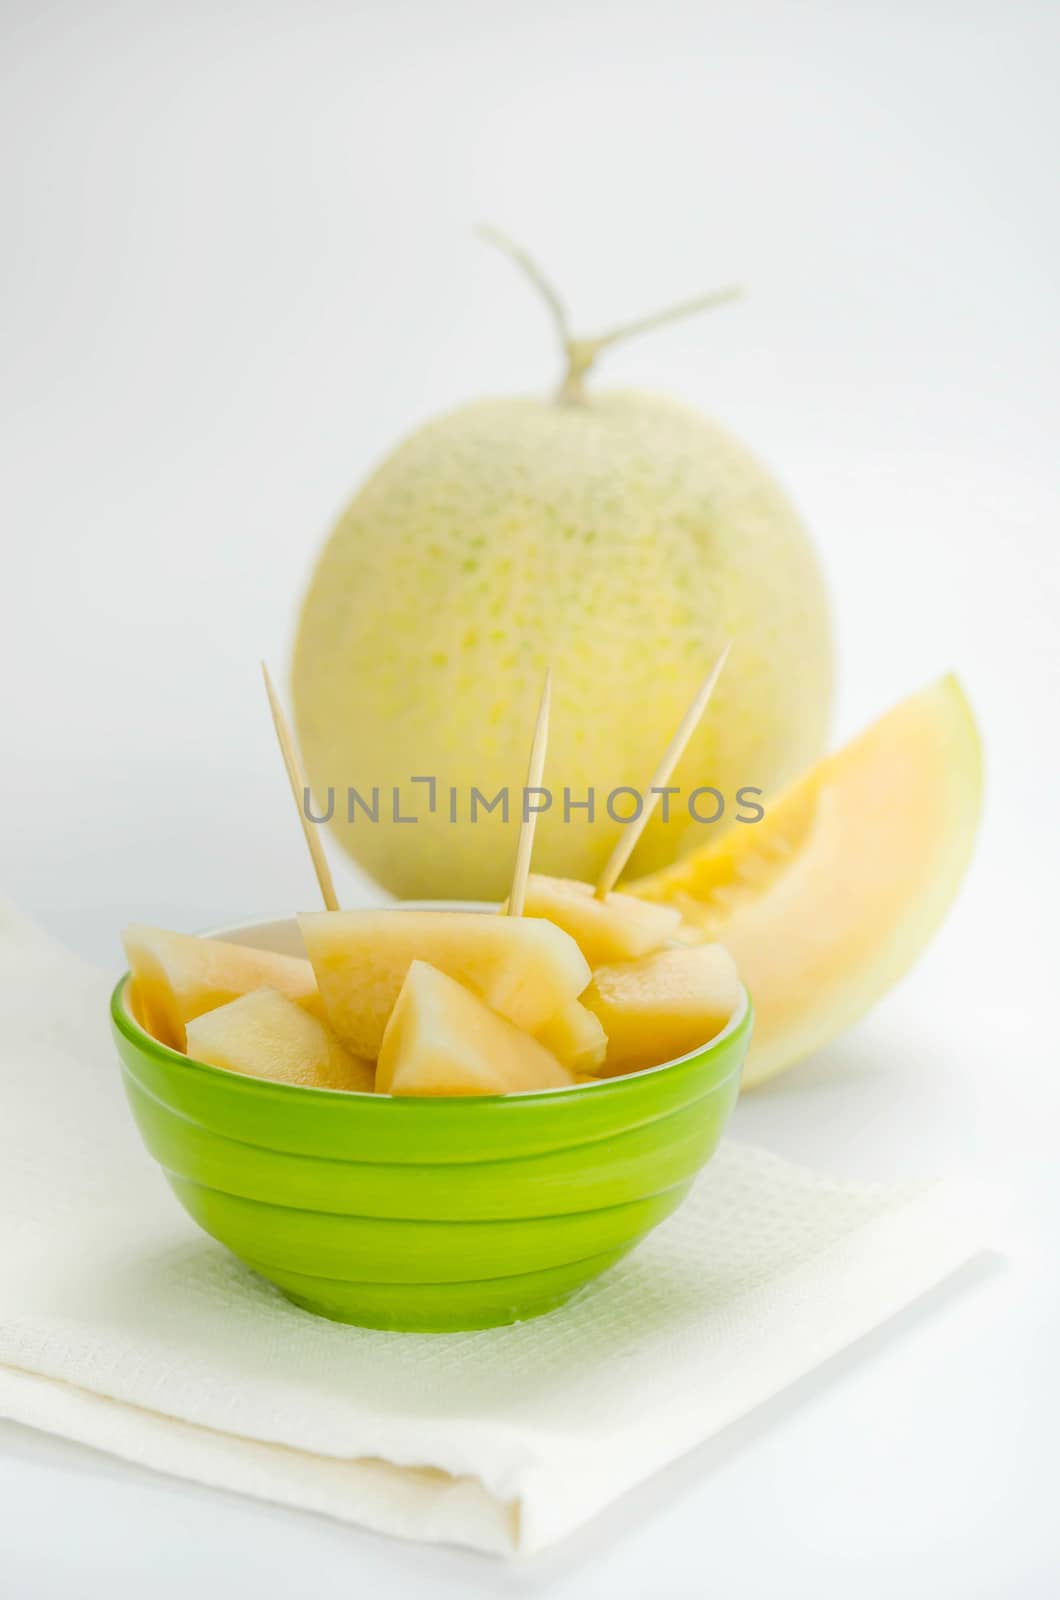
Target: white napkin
{"points": [[124, 1327]]}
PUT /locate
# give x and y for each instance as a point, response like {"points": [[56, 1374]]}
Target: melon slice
{"points": [[265, 1035], [829, 899], [663, 1005], [177, 976], [523, 967], [443, 1040], [619, 927], [576, 1037]]}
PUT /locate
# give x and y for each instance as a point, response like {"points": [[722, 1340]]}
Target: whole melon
{"points": [[619, 537]]}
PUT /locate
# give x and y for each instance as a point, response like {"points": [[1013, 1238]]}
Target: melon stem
{"points": [[581, 354]]}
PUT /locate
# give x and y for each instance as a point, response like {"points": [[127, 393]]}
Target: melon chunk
{"points": [[576, 1037], [830, 898], [663, 1005], [614, 928], [265, 1035], [177, 976], [523, 967], [443, 1040]]}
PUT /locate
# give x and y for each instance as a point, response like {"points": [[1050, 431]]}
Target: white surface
{"points": [[238, 265], [122, 1327]]}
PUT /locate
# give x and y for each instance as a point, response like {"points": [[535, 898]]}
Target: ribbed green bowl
{"points": [[426, 1214]]}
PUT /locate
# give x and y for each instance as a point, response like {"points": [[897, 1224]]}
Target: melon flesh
{"points": [[829, 899], [618, 927], [265, 1035], [443, 1040], [522, 967], [575, 1037], [663, 1005], [177, 976]]}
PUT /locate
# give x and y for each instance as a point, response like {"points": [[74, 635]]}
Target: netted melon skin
{"points": [[622, 541]]}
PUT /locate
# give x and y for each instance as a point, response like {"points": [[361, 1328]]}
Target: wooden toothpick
{"points": [[671, 756], [299, 786], [534, 773]]}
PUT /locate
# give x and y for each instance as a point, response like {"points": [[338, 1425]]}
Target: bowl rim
{"points": [[131, 1030]]}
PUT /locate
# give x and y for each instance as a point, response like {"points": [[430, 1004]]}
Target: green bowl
{"points": [[426, 1214]]}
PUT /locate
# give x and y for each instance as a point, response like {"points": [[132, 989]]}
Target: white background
{"points": [[238, 263]]}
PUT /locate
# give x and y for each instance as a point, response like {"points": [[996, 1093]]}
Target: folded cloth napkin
{"points": [[124, 1327]]}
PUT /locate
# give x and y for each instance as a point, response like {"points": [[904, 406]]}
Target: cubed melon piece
{"points": [[613, 928], [523, 967], [265, 1035], [177, 976], [663, 1005], [441, 1039], [575, 1036]]}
